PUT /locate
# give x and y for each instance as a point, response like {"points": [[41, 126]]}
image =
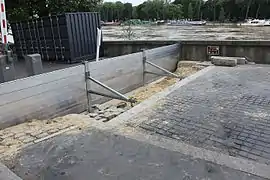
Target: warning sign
{"points": [[212, 50]]}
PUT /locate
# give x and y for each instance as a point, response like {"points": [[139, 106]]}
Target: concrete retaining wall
{"points": [[118, 48], [63, 91], [257, 51]]}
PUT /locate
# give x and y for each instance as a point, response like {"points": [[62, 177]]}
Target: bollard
{"points": [[33, 64], [7, 71]]}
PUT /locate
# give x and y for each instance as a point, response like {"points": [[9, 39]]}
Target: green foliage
{"points": [[190, 11], [27, 9], [128, 11], [149, 10], [128, 32], [222, 15], [174, 11], [233, 9], [158, 9]]}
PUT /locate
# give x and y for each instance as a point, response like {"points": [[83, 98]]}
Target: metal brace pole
{"points": [[165, 70], [159, 74], [110, 89], [110, 96], [143, 61], [87, 85]]}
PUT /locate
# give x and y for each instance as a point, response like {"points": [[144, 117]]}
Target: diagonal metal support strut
{"points": [[162, 69], [117, 95], [166, 72]]}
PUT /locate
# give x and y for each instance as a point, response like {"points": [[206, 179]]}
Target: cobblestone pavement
{"points": [[226, 110], [14, 138]]}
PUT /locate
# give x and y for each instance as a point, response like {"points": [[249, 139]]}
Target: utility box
{"points": [[70, 37], [7, 71], [33, 64]]}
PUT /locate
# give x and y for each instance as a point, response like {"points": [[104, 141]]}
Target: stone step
{"points": [[227, 61]]}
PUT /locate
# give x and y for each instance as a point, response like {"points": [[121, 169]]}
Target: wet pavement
{"points": [[97, 155], [209, 32]]}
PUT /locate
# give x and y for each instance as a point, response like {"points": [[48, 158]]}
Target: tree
{"points": [[174, 11], [28, 9], [119, 6], [127, 11], [190, 11], [108, 9], [248, 7], [211, 10], [134, 12], [222, 15]]}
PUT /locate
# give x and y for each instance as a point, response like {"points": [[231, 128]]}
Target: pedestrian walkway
{"points": [[226, 110]]}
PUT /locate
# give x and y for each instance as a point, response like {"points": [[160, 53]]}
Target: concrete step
{"points": [[227, 61]]}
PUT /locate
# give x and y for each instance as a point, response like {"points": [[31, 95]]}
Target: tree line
{"points": [[211, 10]]}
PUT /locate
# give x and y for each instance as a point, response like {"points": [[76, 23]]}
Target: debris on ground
{"points": [[185, 69], [16, 137], [106, 112]]}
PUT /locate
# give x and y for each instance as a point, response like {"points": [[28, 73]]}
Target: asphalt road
{"points": [[95, 155]]}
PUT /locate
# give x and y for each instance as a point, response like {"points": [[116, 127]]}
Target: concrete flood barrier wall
{"points": [[62, 92], [257, 51]]}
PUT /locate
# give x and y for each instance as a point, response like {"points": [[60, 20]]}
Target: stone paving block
{"points": [[223, 61], [225, 106], [2, 149], [36, 132], [241, 60], [28, 139], [7, 135], [42, 135], [19, 135], [93, 115], [52, 131], [64, 126]]}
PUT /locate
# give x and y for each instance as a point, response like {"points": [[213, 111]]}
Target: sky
{"points": [[134, 2]]}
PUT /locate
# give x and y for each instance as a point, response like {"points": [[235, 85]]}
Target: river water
{"points": [[208, 32]]}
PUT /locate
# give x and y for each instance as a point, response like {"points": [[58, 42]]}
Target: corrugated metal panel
{"points": [[70, 37]]}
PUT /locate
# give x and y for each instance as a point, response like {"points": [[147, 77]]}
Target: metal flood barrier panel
{"points": [[70, 37], [62, 92]]}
